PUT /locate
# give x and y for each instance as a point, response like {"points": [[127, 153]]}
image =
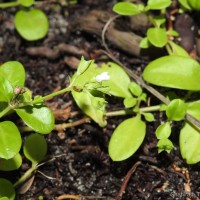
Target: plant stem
{"points": [[42, 99], [9, 4], [26, 175], [128, 112], [5, 111]]}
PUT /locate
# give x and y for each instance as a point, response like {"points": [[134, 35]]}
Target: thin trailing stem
{"points": [[128, 112], [9, 4]]}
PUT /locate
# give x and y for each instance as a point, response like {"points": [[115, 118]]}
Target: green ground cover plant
{"points": [[31, 23], [90, 86]]}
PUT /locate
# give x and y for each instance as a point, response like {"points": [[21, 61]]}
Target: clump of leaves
{"points": [[157, 35], [129, 134], [31, 23]]}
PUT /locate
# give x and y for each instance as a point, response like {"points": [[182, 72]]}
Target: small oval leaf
{"points": [[7, 189], [39, 117], [32, 24], [157, 36], [158, 4], [163, 131], [10, 140], [174, 72], [35, 148], [14, 72], [11, 164], [91, 106], [126, 8], [127, 138], [176, 110], [189, 144]]}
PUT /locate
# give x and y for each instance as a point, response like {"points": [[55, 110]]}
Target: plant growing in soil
{"points": [[16, 98], [31, 23], [129, 134]]}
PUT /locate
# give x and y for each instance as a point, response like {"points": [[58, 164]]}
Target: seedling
{"points": [[157, 35], [32, 24]]}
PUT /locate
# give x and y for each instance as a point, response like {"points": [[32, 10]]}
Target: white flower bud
{"points": [[102, 77]]}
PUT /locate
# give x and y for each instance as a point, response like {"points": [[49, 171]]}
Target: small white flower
{"points": [[102, 77]]}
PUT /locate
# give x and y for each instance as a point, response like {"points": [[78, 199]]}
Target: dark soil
{"points": [[81, 166]]}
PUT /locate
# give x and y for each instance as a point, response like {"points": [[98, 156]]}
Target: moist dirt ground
{"points": [[77, 164]]}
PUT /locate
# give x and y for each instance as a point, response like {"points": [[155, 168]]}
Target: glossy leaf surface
{"points": [[10, 140], [91, 106], [178, 50], [31, 25], [157, 36], [40, 118], [119, 81], [176, 110], [158, 4], [14, 72], [174, 72], [127, 138], [11, 164], [189, 142], [35, 148], [195, 4], [6, 90], [6, 189], [126, 8], [165, 145], [163, 131]]}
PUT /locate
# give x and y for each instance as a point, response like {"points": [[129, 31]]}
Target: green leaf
{"points": [[165, 145], [4, 198], [158, 21], [7, 189], [174, 72], [83, 66], [127, 138], [144, 43], [91, 106], [31, 25], [163, 131], [195, 4], [177, 50], [119, 81], [10, 140], [11, 164], [176, 110], [148, 117], [157, 36], [117, 84], [130, 102], [6, 90], [135, 89], [172, 32], [26, 3], [157, 4], [189, 142], [193, 108], [35, 148], [14, 72], [127, 8], [185, 4], [39, 117]]}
